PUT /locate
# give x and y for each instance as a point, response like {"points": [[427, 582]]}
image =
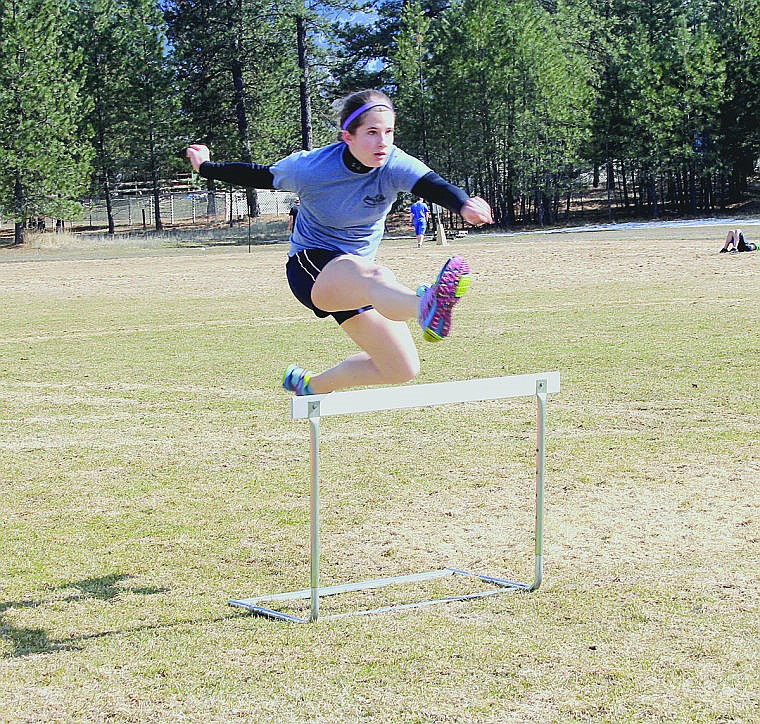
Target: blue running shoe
{"points": [[437, 301], [296, 379]]}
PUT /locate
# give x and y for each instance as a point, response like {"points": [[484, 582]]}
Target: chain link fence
{"points": [[186, 209], [196, 207]]}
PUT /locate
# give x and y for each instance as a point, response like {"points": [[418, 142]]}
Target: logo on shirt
{"points": [[374, 200]]}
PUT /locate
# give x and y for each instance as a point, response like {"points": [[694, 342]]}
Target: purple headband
{"points": [[361, 109]]}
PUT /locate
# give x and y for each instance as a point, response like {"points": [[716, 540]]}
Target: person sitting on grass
{"points": [[346, 190], [736, 241]]}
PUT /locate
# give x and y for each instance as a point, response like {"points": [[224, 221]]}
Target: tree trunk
{"points": [[155, 180], [101, 150], [653, 197], [210, 197], [303, 65], [109, 203], [624, 182], [242, 117], [693, 189], [634, 188], [707, 196], [156, 191], [609, 181], [19, 227], [510, 196]]}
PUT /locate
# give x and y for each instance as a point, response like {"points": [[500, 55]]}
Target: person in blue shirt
{"points": [[346, 190], [420, 214]]}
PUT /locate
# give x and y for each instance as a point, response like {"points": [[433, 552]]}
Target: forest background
{"points": [[524, 102]]}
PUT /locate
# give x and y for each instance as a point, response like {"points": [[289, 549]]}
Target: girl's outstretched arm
{"points": [[249, 175]]}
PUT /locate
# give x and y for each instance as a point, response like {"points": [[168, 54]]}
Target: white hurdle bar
{"points": [[315, 407]]}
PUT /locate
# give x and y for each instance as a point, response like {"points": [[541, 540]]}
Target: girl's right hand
{"points": [[198, 154]]}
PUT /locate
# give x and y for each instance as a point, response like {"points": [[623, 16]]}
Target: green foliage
{"points": [[44, 160], [736, 25], [134, 113], [207, 39], [366, 49], [413, 64], [525, 102], [199, 58], [515, 100], [103, 35], [663, 94], [151, 105]]}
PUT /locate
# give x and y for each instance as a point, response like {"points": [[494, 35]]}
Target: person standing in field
{"points": [[347, 189], [293, 213], [420, 214]]}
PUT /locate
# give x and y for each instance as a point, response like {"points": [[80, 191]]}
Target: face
{"points": [[371, 142]]}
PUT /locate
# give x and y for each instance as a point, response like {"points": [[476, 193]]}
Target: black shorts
{"points": [[303, 269]]}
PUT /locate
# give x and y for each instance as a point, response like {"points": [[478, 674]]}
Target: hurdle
{"points": [[315, 407]]}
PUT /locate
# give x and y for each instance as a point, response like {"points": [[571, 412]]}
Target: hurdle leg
{"points": [[314, 419], [541, 392]]}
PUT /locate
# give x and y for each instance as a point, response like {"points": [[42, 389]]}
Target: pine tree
{"points": [[412, 77], [103, 33], [228, 56], [506, 114], [151, 100], [44, 163], [736, 25], [367, 49]]}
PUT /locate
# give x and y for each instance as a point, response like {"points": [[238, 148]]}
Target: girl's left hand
{"points": [[476, 211]]}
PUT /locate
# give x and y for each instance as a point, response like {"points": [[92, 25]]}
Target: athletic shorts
{"points": [[303, 269], [420, 226]]}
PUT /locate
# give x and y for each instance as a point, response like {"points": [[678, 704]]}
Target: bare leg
{"points": [[389, 355], [731, 240], [351, 282]]}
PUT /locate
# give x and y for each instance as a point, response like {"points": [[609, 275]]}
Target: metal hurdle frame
{"points": [[315, 407]]}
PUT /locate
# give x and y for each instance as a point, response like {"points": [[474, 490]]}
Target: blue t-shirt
{"points": [[419, 211], [342, 210]]}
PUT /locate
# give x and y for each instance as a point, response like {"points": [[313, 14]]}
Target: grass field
{"points": [[150, 472]]}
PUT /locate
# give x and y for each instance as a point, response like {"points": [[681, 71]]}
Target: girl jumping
{"points": [[346, 190]]}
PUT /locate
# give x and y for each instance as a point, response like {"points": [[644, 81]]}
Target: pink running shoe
{"points": [[437, 301]]}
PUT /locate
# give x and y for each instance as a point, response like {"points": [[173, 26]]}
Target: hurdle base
{"points": [[502, 586]]}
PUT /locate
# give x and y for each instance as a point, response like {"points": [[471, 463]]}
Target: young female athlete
{"points": [[346, 191]]}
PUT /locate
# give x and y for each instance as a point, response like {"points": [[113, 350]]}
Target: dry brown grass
{"points": [[149, 473]]}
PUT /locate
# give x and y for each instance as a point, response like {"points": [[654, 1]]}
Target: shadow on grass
{"points": [[28, 641]]}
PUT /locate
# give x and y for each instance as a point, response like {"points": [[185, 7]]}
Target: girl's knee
{"points": [[379, 274], [411, 370], [403, 369]]}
